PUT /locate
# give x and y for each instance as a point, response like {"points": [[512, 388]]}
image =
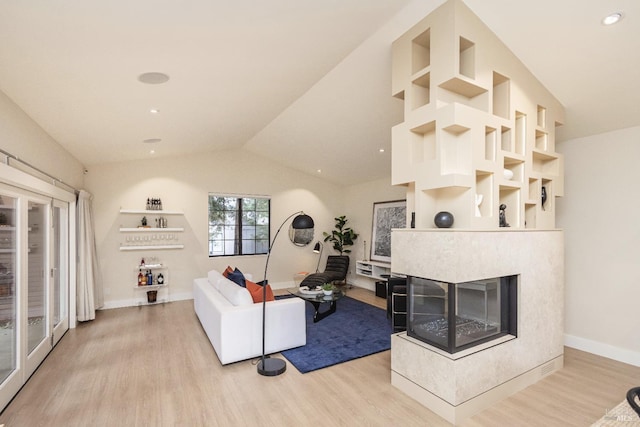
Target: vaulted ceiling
{"points": [[303, 82]]}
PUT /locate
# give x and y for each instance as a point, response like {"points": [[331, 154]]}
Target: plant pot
{"points": [[327, 293], [151, 296]]}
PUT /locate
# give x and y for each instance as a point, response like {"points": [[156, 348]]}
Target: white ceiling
{"points": [[304, 82]]}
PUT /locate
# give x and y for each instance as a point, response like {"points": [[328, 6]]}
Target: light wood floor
{"points": [[153, 366]]}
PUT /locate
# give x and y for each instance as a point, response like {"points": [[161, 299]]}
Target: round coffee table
{"points": [[317, 299]]}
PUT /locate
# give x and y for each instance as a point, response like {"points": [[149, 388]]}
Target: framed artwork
{"points": [[386, 215]]}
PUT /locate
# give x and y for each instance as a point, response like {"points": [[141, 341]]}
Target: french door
{"points": [[34, 283]]}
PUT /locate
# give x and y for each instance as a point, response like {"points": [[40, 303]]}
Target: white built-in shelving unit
{"points": [[476, 123]]}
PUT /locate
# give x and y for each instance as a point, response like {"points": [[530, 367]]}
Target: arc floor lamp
{"points": [[270, 366]]}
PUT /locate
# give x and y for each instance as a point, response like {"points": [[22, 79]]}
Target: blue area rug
{"points": [[355, 330]]}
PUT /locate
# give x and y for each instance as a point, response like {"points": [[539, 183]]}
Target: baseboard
{"points": [[605, 350], [134, 302]]}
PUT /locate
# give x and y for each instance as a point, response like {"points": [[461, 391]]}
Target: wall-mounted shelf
{"points": [[373, 269], [150, 247], [150, 229], [149, 212]]}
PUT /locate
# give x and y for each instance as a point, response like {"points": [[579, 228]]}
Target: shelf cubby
{"points": [[505, 138], [520, 133], [484, 187], [548, 204], [541, 140], [542, 117], [530, 211], [501, 95], [423, 142], [420, 91], [421, 51], [534, 191], [545, 163], [455, 150], [511, 198], [516, 166], [467, 58], [490, 143]]}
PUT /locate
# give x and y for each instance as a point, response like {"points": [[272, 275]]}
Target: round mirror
{"points": [[300, 236]]}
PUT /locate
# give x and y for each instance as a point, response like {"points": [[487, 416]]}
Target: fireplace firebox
{"points": [[457, 316]]}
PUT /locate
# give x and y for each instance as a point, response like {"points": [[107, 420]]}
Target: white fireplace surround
{"points": [[456, 388]]}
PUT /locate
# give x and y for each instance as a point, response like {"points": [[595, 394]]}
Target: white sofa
{"points": [[233, 322]]}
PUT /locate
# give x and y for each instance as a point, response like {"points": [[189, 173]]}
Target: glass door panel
{"points": [[8, 288], [59, 271], [36, 261]]}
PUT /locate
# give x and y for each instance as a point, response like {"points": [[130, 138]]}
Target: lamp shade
{"points": [[316, 248], [302, 222]]}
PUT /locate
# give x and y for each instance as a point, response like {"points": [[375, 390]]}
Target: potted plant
{"points": [[342, 236], [327, 289]]}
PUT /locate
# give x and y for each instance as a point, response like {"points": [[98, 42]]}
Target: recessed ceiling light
{"points": [[153, 78], [152, 152], [154, 111], [151, 140], [381, 150], [612, 18], [319, 171]]}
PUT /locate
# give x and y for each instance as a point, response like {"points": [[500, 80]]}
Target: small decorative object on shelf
{"points": [[154, 204], [151, 296], [479, 198], [502, 216], [508, 174], [443, 219], [160, 279], [413, 220], [544, 196], [144, 221]]}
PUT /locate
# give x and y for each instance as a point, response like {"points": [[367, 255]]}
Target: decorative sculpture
{"points": [[479, 198], [443, 219], [544, 196], [502, 216]]}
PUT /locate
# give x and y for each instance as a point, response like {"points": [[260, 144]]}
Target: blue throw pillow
{"points": [[237, 277]]}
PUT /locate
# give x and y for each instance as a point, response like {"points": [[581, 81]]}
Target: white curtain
{"points": [[89, 283]]}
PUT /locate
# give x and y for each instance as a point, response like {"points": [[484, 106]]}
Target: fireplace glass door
{"points": [[456, 316]]}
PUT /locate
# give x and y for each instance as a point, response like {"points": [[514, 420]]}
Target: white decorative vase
{"points": [[508, 174]]}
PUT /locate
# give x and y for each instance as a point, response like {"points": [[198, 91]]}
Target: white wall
{"points": [[599, 214], [183, 184], [359, 200], [25, 139]]}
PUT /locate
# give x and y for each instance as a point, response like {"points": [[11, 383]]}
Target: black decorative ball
{"points": [[443, 219]]}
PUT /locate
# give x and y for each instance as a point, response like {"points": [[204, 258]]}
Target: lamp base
{"points": [[271, 367]]}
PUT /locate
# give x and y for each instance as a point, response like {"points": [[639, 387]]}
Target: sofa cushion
{"points": [[227, 270], [214, 278], [235, 294], [256, 291], [237, 277]]}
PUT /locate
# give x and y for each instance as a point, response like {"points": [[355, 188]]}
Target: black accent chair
{"points": [[334, 272]]}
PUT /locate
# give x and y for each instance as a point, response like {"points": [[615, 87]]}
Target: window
{"points": [[238, 225]]}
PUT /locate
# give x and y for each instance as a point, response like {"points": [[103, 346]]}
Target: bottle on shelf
{"points": [[140, 276], [143, 281], [160, 279], [149, 278]]}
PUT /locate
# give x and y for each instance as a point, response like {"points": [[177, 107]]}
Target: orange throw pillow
{"points": [[256, 291], [227, 270]]}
